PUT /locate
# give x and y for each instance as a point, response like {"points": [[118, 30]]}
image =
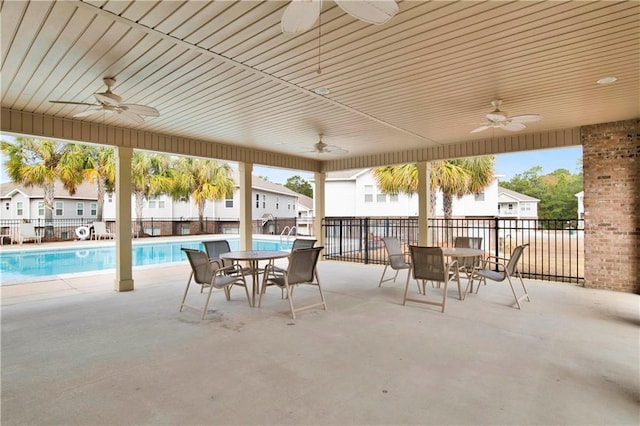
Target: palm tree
{"points": [[149, 177], [99, 168], [40, 163], [201, 180], [452, 177]]}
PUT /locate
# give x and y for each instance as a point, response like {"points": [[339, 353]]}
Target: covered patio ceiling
{"points": [[223, 73]]}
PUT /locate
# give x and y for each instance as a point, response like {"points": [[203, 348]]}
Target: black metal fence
{"points": [[555, 252]]}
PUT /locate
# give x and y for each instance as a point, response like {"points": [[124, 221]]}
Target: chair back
{"points": [[512, 264], [394, 252], [217, 247], [468, 242], [27, 229], [99, 228], [302, 243], [302, 265], [203, 270], [428, 263]]}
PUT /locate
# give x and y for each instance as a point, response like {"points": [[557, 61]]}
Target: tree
{"points": [[299, 185], [99, 168], [40, 163], [201, 180], [149, 177], [452, 177]]}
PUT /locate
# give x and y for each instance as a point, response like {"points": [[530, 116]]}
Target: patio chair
{"points": [[466, 264], [27, 232], [397, 260], [428, 264], [498, 269], [100, 231], [209, 274], [301, 270], [298, 243]]}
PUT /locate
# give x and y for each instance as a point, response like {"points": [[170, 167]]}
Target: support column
{"points": [[124, 271], [319, 206], [424, 189], [246, 217]]}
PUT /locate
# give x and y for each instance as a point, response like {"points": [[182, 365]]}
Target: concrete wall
{"points": [[611, 159]]}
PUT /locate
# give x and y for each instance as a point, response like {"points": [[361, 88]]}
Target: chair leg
{"points": [[523, 287], [406, 288], [290, 298], [186, 290], [206, 303], [382, 280], [444, 295]]}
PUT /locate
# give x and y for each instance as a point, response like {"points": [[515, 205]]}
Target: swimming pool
{"points": [[35, 265]]}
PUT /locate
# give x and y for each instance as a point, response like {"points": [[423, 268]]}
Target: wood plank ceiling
{"points": [[223, 72]]}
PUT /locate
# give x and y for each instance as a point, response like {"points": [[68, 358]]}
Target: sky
{"points": [[506, 166]]}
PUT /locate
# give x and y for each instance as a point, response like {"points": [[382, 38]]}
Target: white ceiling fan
{"points": [[321, 147], [110, 103], [301, 15], [499, 119]]}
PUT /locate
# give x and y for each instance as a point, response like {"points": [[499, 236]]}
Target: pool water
{"points": [[35, 264]]}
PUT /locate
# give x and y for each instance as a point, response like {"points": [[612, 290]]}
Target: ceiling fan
{"points": [[301, 15], [499, 119], [110, 103], [321, 147]]}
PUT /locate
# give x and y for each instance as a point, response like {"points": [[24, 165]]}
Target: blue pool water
{"points": [[21, 266]]}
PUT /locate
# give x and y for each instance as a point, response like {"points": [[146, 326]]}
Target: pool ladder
{"points": [[290, 230]]}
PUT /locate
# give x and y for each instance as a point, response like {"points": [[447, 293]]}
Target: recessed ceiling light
{"points": [[607, 80], [322, 91]]}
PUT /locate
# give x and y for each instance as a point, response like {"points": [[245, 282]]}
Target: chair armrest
{"points": [[486, 262]]}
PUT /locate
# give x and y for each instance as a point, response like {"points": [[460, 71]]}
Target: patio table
{"points": [[462, 252], [254, 257]]}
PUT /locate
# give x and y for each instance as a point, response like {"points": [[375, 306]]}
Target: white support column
{"points": [[424, 189], [246, 218], [124, 271], [318, 207]]}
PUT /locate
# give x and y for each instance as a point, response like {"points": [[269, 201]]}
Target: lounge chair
{"points": [[28, 233], [301, 270], [100, 231], [499, 269], [428, 264], [209, 274]]}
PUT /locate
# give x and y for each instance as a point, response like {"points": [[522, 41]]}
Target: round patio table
{"points": [[254, 257], [463, 252]]}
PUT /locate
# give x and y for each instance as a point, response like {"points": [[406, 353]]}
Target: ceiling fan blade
{"points": [[497, 116], [525, 118], [372, 12], [334, 149], [129, 117], [72, 103], [513, 127], [89, 113], [108, 98], [140, 109], [480, 129], [300, 16]]}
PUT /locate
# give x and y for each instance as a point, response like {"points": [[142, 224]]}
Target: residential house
{"points": [[513, 205]]}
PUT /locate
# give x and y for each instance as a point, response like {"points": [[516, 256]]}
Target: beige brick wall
{"points": [[611, 165]]}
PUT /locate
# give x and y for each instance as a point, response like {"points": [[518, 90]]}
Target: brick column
{"points": [[611, 165]]}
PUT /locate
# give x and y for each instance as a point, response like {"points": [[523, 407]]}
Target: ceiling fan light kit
{"points": [[108, 102], [302, 15], [498, 119]]}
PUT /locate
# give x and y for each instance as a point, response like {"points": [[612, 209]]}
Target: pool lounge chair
{"points": [[100, 231], [28, 233]]}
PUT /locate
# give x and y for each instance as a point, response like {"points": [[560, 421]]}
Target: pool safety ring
{"points": [[82, 232], [82, 254]]}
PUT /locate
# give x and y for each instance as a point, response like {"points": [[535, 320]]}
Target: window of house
{"points": [[161, 204], [93, 209], [183, 199], [289, 206], [257, 201], [510, 206], [40, 208], [79, 209], [393, 198], [152, 203], [110, 197], [264, 201], [480, 196], [228, 201], [368, 193], [19, 208], [294, 206], [6, 206], [58, 208], [381, 198], [277, 203]]}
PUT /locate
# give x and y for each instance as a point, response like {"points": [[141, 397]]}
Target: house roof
{"points": [[84, 191], [516, 195], [264, 185]]}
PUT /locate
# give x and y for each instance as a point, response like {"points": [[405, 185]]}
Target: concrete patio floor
{"points": [[74, 352]]}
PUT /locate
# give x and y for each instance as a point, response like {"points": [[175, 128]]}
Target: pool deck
{"points": [[75, 352]]}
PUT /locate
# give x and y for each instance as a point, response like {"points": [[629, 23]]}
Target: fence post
{"points": [[496, 223], [366, 241]]}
